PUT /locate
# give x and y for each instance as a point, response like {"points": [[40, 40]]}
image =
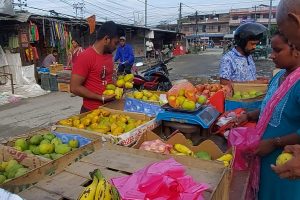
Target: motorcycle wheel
{"points": [[164, 86]]}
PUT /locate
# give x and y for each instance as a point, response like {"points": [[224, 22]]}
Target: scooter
{"points": [[154, 78]]}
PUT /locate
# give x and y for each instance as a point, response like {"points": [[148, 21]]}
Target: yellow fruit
{"points": [[120, 83], [119, 93], [118, 131], [128, 85], [76, 122], [113, 126], [105, 113], [89, 116], [109, 92], [227, 157], [181, 99], [120, 77], [181, 92], [129, 127], [94, 125], [183, 149], [130, 95], [110, 87], [153, 98], [189, 105], [283, 158], [65, 122], [96, 112], [74, 118], [81, 126], [128, 77], [138, 95], [147, 93], [145, 98], [123, 119], [86, 122], [95, 119]]}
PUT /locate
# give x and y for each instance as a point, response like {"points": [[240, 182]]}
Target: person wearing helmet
{"points": [[237, 65]]}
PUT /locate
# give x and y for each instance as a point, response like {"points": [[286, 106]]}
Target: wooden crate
{"points": [[64, 87], [42, 165], [115, 161]]}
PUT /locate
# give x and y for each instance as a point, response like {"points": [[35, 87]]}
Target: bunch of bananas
{"points": [[226, 159], [180, 149], [99, 189]]}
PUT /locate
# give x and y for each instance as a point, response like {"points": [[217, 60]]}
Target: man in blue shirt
{"points": [[237, 65], [125, 56]]}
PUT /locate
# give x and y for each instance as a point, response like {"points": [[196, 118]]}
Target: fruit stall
{"points": [[144, 145]]}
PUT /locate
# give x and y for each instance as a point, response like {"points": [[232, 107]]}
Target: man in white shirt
{"points": [[149, 48]]}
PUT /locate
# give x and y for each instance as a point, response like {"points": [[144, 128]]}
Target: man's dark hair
{"points": [[109, 29], [54, 51]]}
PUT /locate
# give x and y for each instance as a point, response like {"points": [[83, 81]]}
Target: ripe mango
{"points": [[188, 105], [128, 77], [110, 87], [128, 85], [120, 83]]}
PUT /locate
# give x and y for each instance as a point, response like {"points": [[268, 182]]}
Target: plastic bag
{"points": [[65, 138], [245, 140], [163, 180], [187, 87], [156, 146]]}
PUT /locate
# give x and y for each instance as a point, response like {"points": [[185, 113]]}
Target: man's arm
{"points": [[78, 89], [118, 56], [131, 55], [226, 69]]}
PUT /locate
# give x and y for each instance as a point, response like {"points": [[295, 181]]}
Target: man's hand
{"points": [[107, 98], [290, 169], [265, 147]]}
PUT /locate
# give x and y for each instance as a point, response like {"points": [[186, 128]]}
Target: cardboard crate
{"points": [[115, 161], [126, 139], [56, 68], [249, 104], [178, 138], [64, 87]]}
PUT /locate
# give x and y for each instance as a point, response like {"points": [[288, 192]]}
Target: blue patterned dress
{"points": [[236, 67], [285, 120]]}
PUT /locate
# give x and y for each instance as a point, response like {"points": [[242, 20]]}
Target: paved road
{"points": [[206, 64], [36, 112]]}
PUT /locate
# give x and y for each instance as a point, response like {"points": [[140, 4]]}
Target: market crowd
{"points": [[278, 120]]}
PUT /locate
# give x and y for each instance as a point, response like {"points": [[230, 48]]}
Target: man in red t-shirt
{"points": [[93, 68]]}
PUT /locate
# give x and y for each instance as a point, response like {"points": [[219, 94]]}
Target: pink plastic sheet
{"points": [[165, 180]]}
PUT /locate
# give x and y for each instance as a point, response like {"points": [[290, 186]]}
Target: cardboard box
{"points": [[178, 138], [115, 105], [126, 139], [64, 87], [249, 104], [56, 68], [115, 161]]}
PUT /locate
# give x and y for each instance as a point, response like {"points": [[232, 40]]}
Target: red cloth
{"points": [[97, 71]]}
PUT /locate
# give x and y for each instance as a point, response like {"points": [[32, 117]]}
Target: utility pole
{"points": [[255, 13], [78, 7], [269, 23], [145, 13], [179, 18], [196, 24]]}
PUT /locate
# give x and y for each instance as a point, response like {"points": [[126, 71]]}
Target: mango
{"points": [[189, 105], [49, 136], [128, 77], [2, 179], [73, 143], [120, 83], [56, 141], [21, 172], [283, 158], [36, 139], [62, 149], [110, 87], [46, 148], [109, 92], [22, 144]]}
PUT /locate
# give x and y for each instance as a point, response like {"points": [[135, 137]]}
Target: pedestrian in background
{"points": [[126, 57], [74, 52]]}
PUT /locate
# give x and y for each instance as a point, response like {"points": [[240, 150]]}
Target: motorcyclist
{"points": [[237, 65]]}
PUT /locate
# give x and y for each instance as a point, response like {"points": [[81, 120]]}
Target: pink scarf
{"points": [[261, 126]]}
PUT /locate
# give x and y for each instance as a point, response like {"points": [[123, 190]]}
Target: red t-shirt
{"points": [[97, 71]]}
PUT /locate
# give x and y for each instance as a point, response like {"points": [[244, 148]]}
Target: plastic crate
{"points": [[53, 83], [134, 105], [232, 105], [45, 81]]}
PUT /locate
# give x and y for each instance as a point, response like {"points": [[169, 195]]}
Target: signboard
{"points": [[247, 21], [6, 7]]}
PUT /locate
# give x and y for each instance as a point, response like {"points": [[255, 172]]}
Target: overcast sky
{"points": [[128, 11]]}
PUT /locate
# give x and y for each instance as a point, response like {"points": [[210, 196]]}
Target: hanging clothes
{"points": [[33, 32]]}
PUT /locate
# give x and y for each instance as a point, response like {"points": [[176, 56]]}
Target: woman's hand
{"points": [[243, 118], [265, 147]]}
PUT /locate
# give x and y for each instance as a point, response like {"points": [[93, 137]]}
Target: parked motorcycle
{"points": [[154, 78]]}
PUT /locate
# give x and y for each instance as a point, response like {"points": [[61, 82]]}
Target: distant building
{"points": [[218, 26], [258, 14], [210, 27]]}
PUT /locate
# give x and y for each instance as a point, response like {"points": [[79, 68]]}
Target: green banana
{"points": [[89, 192]]}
